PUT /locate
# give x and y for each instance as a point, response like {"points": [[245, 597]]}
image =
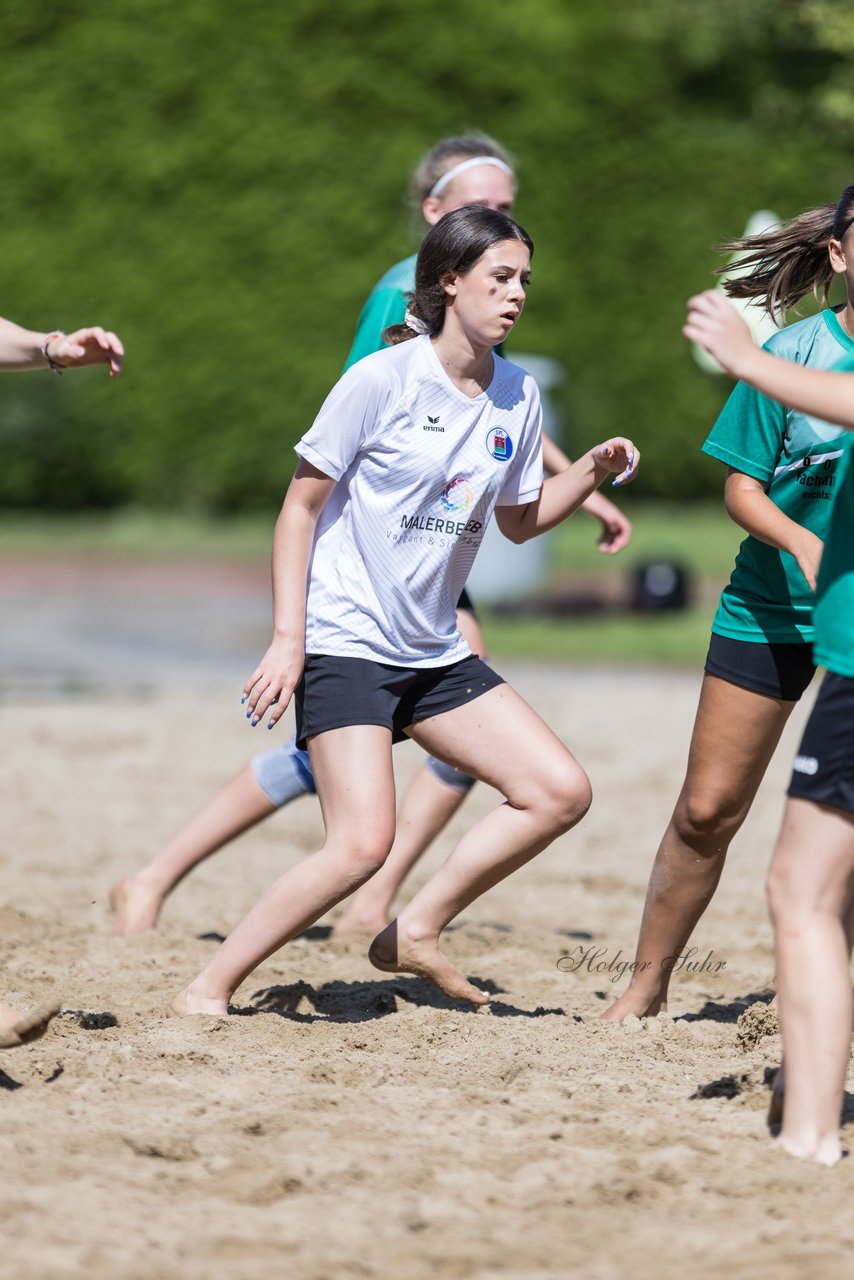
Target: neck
{"points": [[468, 366], [845, 316]]}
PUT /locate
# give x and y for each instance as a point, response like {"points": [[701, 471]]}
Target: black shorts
{"points": [[824, 766], [781, 671], [465, 602], [337, 692]]}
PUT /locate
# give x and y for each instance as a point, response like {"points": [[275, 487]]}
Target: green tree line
{"points": [[223, 184]]}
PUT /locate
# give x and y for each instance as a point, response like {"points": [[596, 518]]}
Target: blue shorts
{"points": [[337, 692]]}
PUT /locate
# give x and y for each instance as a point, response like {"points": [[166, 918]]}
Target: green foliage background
{"points": [[222, 184]]}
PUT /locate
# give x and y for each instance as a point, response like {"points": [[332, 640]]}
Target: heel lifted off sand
{"points": [[392, 954]]}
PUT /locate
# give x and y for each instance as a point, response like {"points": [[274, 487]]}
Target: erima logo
{"points": [[805, 764], [433, 424]]}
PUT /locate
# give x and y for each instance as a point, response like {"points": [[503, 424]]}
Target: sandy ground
{"points": [[349, 1124]]}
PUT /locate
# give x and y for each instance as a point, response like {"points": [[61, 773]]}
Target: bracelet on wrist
{"points": [[51, 364]]}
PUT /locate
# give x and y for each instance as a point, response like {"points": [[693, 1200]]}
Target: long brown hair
{"points": [[783, 265]]}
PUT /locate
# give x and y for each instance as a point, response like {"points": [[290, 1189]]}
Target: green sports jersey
{"points": [[796, 457], [386, 305], [834, 597]]}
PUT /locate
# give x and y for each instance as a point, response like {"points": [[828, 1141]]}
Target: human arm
{"points": [[616, 529], [274, 679], [717, 326], [24, 349], [564, 493], [749, 506]]}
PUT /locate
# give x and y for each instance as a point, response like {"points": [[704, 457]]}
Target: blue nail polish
{"points": [[249, 713], [254, 721], [270, 725], [242, 700]]}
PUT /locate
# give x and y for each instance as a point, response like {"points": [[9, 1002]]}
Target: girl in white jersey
{"points": [[411, 453], [469, 170]]}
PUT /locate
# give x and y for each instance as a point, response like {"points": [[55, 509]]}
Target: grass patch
{"points": [[700, 537]]}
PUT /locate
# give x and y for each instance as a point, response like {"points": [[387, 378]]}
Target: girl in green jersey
{"points": [[811, 882], [781, 473]]}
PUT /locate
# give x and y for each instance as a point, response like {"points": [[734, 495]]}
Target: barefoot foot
{"points": [[135, 905], [393, 952], [361, 919], [18, 1028], [188, 1003], [631, 1003]]}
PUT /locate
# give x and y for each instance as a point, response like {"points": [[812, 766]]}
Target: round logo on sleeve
{"points": [[499, 445]]}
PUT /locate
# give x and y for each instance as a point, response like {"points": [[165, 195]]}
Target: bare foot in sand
{"points": [[361, 919], [136, 905], [188, 1003], [393, 952], [632, 1003], [17, 1027]]}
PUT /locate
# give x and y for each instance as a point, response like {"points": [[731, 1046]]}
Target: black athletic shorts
{"points": [[824, 766], [781, 671], [337, 692], [465, 602]]}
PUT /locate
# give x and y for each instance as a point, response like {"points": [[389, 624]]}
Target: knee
{"points": [[705, 818], [564, 798], [365, 856], [782, 902]]}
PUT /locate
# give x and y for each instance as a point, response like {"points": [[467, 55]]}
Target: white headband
{"points": [[414, 323], [450, 174]]}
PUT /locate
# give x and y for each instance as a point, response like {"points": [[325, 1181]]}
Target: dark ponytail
{"points": [[452, 246], [784, 265]]}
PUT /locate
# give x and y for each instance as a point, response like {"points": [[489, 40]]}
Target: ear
{"points": [[449, 283], [836, 253], [432, 210]]}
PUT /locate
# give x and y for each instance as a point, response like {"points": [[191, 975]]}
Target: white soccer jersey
{"points": [[420, 468]]}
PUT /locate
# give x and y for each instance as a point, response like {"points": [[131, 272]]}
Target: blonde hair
{"points": [[446, 154]]}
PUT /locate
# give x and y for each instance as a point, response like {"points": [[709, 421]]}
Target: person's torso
{"points": [[796, 456]]}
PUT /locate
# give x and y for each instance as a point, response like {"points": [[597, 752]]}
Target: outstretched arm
{"points": [[717, 326], [564, 493], [24, 349], [616, 528]]}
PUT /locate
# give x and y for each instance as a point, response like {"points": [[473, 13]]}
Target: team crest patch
{"points": [[457, 495], [499, 445]]}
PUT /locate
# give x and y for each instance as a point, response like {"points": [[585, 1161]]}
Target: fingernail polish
{"points": [[254, 721]]}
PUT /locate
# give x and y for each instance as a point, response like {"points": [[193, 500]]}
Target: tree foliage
{"points": [[222, 185]]}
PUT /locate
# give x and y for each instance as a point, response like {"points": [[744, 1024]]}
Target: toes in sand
{"points": [[392, 952], [18, 1028], [135, 905]]}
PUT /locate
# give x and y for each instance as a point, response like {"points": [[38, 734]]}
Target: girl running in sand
{"points": [[457, 171], [811, 882], [376, 537], [22, 350], [781, 472]]}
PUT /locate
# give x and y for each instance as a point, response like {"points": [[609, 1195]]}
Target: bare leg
{"points": [[735, 735], [18, 1027], [239, 805], [501, 740], [778, 1093], [810, 889], [353, 772], [427, 806]]}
